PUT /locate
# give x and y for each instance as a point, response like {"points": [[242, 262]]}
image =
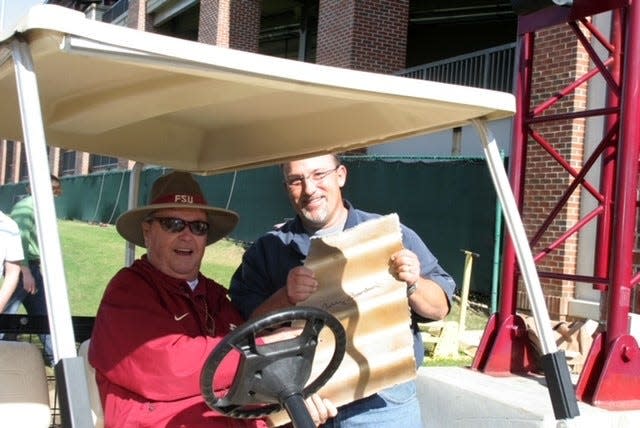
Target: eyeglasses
{"points": [[315, 176], [177, 225]]}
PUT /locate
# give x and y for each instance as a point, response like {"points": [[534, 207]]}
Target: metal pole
{"points": [[134, 192], [553, 361], [603, 249], [519, 238], [69, 368], [624, 220], [464, 294], [497, 245], [508, 296], [59, 313]]}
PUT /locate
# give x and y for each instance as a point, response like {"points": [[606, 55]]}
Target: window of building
{"points": [[183, 25], [286, 26], [102, 163], [439, 30], [68, 162], [24, 168], [10, 165], [116, 13]]}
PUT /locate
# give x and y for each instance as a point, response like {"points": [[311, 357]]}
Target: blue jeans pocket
{"points": [[399, 394]]}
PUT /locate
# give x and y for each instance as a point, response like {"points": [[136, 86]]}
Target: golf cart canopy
{"points": [[120, 92]]}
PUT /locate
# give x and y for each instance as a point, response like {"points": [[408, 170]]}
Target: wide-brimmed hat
{"points": [[176, 190]]}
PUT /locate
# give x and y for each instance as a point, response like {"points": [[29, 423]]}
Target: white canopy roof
{"points": [[116, 91]]}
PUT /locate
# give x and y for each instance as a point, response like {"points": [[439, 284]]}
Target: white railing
{"points": [[118, 9], [491, 68]]}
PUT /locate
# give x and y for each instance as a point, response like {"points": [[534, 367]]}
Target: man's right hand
{"points": [[28, 281], [320, 409], [301, 283]]}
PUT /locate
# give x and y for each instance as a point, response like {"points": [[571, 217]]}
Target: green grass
{"points": [[460, 361], [92, 254], [475, 319]]}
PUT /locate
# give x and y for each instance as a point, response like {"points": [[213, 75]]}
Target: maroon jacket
{"points": [[151, 337]]}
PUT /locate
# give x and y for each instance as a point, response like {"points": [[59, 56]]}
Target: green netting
{"points": [[93, 198], [450, 203]]}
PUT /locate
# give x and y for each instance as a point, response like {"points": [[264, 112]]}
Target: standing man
{"points": [[271, 276], [160, 318], [30, 291], [11, 256]]}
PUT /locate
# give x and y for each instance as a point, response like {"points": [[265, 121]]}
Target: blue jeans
{"points": [[35, 304], [390, 408]]}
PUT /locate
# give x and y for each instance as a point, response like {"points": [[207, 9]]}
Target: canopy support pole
{"points": [[44, 208], [59, 313], [554, 363], [134, 193]]}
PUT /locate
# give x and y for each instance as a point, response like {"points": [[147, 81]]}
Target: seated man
{"points": [[160, 318]]}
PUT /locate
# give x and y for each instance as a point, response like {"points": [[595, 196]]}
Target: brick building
{"points": [[384, 36]]}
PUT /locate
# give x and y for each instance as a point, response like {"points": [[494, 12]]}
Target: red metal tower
{"points": [[610, 377]]}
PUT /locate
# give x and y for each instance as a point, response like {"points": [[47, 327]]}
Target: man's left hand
{"points": [[405, 266]]}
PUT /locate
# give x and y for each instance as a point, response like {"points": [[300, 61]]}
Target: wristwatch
{"points": [[412, 288]]}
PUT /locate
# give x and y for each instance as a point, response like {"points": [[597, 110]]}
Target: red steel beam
{"points": [[611, 374]]}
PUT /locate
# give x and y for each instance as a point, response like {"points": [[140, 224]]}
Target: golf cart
{"points": [[70, 82]]}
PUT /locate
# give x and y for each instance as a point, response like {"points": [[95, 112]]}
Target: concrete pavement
{"points": [[454, 397]]}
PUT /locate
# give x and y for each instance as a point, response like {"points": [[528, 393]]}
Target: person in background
{"points": [[271, 276], [160, 318], [30, 291], [11, 257]]}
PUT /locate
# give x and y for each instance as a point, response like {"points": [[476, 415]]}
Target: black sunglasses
{"points": [[177, 225]]}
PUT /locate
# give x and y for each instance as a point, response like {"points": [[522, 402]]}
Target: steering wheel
{"points": [[272, 376]]}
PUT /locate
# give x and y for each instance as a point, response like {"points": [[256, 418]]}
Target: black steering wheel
{"points": [[272, 376]]}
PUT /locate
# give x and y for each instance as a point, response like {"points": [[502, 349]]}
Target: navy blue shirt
{"points": [[267, 262]]}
